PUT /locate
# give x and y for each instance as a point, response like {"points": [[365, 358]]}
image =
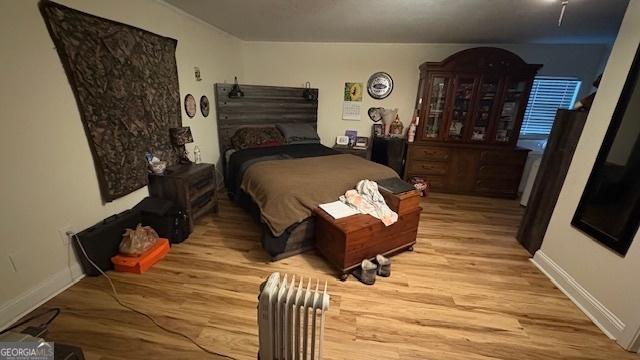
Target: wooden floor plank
{"points": [[468, 291]]}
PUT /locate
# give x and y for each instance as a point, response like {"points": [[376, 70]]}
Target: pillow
{"points": [[298, 133], [252, 137]]}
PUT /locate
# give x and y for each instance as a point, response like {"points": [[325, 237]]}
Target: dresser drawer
{"points": [[497, 186], [505, 172], [428, 167], [201, 181], [201, 201], [429, 153], [437, 182], [503, 157]]}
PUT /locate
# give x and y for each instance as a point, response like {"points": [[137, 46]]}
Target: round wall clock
{"points": [[204, 106], [190, 105], [380, 85]]}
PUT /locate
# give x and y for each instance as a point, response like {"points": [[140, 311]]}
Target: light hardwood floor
{"points": [[468, 291]]}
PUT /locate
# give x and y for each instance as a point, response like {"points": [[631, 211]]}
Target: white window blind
{"points": [[548, 94]]}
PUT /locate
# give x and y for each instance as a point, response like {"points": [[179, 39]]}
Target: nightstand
{"points": [[191, 187], [363, 153], [390, 151]]}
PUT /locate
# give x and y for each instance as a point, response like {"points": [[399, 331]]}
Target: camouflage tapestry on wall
{"points": [[125, 82]]}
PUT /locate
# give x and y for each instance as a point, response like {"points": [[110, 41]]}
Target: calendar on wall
{"points": [[351, 110]]}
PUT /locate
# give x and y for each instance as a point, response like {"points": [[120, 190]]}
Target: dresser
{"points": [[468, 170], [469, 111], [191, 187], [390, 152]]}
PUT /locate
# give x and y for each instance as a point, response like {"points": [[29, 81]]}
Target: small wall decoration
{"points": [[351, 106], [190, 105], [196, 72], [351, 110], [380, 85], [375, 113], [352, 91], [204, 105]]}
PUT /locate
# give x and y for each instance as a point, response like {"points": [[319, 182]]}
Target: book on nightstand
{"points": [[395, 185]]}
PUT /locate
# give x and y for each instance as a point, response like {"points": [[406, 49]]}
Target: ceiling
{"points": [[412, 21]]}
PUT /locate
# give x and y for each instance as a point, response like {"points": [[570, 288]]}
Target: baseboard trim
{"points": [[16, 308], [604, 319]]}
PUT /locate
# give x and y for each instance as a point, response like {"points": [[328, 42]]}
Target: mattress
{"points": [[297, 238]]}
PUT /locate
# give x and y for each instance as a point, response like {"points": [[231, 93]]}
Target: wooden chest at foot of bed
{"points": [[346, 242]]}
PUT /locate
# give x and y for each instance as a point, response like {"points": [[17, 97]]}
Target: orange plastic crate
{"points": [[142, 263]]}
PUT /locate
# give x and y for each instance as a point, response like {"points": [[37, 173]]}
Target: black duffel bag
{"points": [[101, 241], [168, 220]]}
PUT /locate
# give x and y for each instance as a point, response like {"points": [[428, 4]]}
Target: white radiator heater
{"points": [[291, 317]]}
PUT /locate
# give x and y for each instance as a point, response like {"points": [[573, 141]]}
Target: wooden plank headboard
{"points": [[261, 106]]}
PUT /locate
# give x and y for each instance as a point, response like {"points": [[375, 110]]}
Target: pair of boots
{"points": [[368, 270]]}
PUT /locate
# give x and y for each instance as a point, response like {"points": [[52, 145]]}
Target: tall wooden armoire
{"points": [[470, 108], [554, 166]]}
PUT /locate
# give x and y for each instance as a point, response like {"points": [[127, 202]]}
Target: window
{"points": [[548, 94]]}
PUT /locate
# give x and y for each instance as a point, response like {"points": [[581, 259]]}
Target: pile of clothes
{"points": [[366, 199]]}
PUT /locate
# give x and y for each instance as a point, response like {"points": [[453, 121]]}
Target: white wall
{"points": [[48, 178], [329, 65], [602, 282]]}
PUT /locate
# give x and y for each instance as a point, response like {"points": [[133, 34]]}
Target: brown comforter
{"points": [[286, 191]]}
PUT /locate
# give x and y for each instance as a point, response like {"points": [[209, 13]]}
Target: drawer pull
{"points": [[435, 154]]}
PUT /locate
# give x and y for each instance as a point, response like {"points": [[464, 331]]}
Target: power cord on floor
{"points": [[117, 297]]}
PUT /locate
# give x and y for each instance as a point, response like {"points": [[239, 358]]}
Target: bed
{"points": [[281, 185]]}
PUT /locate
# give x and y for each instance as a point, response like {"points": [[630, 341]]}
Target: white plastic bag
{"points": [[136, 242]]}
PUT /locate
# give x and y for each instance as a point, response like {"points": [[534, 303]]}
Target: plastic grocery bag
{"points": [[136, 242]]}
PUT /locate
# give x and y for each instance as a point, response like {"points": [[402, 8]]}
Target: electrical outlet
{"points": [[63, 234]]}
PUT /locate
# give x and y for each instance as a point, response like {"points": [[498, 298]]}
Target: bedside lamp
{"points": [[179, 137], [235, 90]]}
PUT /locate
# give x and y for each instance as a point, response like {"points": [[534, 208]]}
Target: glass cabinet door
{"points": [[487, 94], [511, 103], [461, 107], [435, 107]]}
